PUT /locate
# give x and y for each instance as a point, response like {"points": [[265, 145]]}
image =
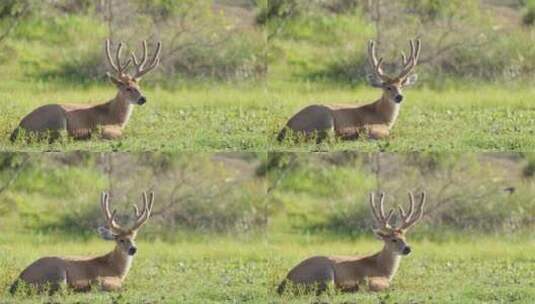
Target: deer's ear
{"points": [[115, 80], [106, 234], [411, 80], [379, 234], [374, 81]]}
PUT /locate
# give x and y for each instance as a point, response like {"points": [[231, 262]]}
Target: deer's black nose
{"points": [[132, 250], [398, 98], [407, 250], [142, 100]]}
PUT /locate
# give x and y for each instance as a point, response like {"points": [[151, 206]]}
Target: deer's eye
{"points": [[394, 241]]}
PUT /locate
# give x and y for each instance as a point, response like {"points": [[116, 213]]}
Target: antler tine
{"points": [[373, 208], [155, 61], [403, 59], [379, 213], [108, 54], [410, 219], [122, 67], [109, 216], [372, 57], [140, 65], [136, 211], [412, 60], [145, 213]]}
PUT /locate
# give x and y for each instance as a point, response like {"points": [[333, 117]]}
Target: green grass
{"points": [[247, 270], [488, 118], [53, 59], [190, 271], [463, 271], [202, 118]]}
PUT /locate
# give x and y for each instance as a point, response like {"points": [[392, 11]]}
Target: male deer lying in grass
{"points": [[373, 120], [81, 121], [350, 273], [81, 273]]}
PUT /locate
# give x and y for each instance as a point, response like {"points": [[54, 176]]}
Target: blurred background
{"points": [[63, 40], [255, 193], [195, 192], [483, 40], [480, 40], [468, 195]]}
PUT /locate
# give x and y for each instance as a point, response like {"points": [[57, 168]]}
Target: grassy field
{"points": [[196, 271], [248, 117], [487, 270], [484, 119], [201, 118], [55, 58], [462, 271]]}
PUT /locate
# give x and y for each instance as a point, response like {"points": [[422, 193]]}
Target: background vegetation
{"points": [[232, 224], [473, 51], [207, 94], [233, 71]]}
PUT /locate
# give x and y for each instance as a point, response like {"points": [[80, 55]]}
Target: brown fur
{"points": [[81, 121], [348, 122], [353, 273], [78, 273], [83, 273]]}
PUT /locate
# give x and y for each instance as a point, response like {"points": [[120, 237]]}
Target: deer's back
{"points": [[47, 117], [47, 269], [314, 269]]}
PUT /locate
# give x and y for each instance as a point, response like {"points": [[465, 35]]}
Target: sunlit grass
{"points": [[475, 270], [205, 118], [218, 270], [488, 118]]}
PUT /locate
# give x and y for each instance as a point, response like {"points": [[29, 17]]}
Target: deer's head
{"points": [[127, 84], [394, 237], [124, 237], [392, 86]]}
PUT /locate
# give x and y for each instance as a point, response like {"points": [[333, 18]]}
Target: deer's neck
{"points": [[119, 262], [387, 110], [388, 262], [118, 111]]}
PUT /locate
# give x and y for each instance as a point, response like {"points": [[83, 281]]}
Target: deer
{"points": [[350, 122], [82, 273], [351, 273], [81, 121]]}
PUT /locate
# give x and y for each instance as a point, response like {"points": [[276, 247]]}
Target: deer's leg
{"points": [[314, 121], [378, 284], [111, 132], [315, 279], [378, 131], [56, 282], [110, 283]]}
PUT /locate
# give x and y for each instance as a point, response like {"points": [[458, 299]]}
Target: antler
{"points": [[379, 213], [409, 219], [409, 64], [377, 65], [109, 216], [117, 66], [140, 66], [143, 216]]}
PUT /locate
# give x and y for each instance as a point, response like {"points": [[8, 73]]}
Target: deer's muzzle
{"points": [[141, 100]]}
